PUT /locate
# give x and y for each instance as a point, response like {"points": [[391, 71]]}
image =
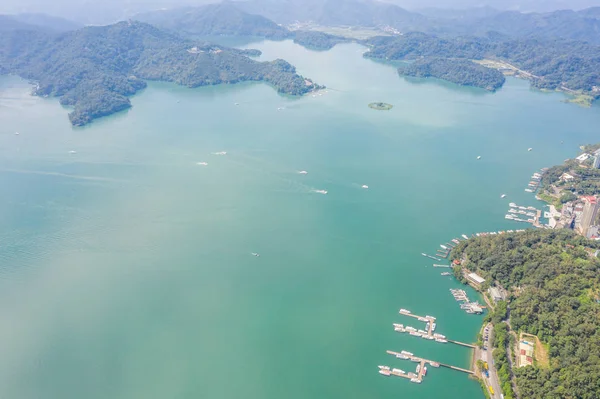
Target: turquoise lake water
{"points": [[126, 267]]}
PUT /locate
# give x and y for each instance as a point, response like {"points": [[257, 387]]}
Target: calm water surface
{"points": [[126, 267]]}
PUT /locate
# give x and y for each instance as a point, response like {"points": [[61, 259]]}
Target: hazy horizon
{"points": [[107, 11]]}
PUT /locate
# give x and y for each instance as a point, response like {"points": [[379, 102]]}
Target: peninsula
{"points": [[460, 71], [95, 69], [575, 75], [543, 287]]}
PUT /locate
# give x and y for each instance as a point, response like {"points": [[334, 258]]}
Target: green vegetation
{"points": [[95, 69], [317, 40], [583, 100], [381, 106], [214, 19], [554, 286], [460, 71], [500, 344], [586, 180], [552, 64]]}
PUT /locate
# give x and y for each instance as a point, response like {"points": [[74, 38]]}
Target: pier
{"points": [[429, 333], [431, 257], [462, 343], [417, 377]]}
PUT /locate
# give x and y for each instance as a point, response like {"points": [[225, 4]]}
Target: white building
{"points": [[475, 279], [583, 157]]}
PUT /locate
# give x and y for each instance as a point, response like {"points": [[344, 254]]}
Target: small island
{"points": [[381, 106], [460, 71]]}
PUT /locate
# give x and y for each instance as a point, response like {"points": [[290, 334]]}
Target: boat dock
{"points": [[431, 257], [428, 333], [524, 214], [421, 367], [467, 305]]}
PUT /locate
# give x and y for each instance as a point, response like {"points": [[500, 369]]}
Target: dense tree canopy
{"points": [[460, 71], [554, 280], [94, 69], [554, 63]]}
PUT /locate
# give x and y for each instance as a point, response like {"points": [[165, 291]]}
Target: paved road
{"points": [[487, 355]]}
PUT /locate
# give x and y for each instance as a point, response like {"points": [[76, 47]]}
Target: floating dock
{"points": [[431, 257], [420, 370]]}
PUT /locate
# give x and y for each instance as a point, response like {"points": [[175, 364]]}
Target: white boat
{"points": [[255, 254], [320, 191], [528, 190], [398, 325], [441, 340], [17, 133], [416, 380], [72, 152], [424, 370], [433, 327], [303, 172], [401, 356], [478, 156], [418, 368], [529, 149], [202, 163], [384, 372], [364, 186], [409, 328], [398, 371], [443, 246], [512, 204], [415, 334], [503, 196], [384, 367], [407, 353], [220, 153], [439, 335], [465, 237], [422, 319], [404, 311]]}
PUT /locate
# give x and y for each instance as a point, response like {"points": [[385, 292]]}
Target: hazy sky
{"points": [[105, 11]]}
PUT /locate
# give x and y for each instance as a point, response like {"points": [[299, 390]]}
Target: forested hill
{"points": [[554, 283], [463, 72], [214, 19], [555, 64], [94, 69]]}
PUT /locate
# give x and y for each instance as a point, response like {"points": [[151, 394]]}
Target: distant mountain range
{"points": [[568, 24], [214, 19], [36, 22]]}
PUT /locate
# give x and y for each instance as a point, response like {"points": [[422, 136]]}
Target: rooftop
{"points": [[476, 278]]}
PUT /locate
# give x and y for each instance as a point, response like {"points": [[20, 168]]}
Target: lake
{"points": [[126, 266]]}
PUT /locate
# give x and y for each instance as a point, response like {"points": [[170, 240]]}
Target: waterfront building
{"points": [[475, 279]]}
